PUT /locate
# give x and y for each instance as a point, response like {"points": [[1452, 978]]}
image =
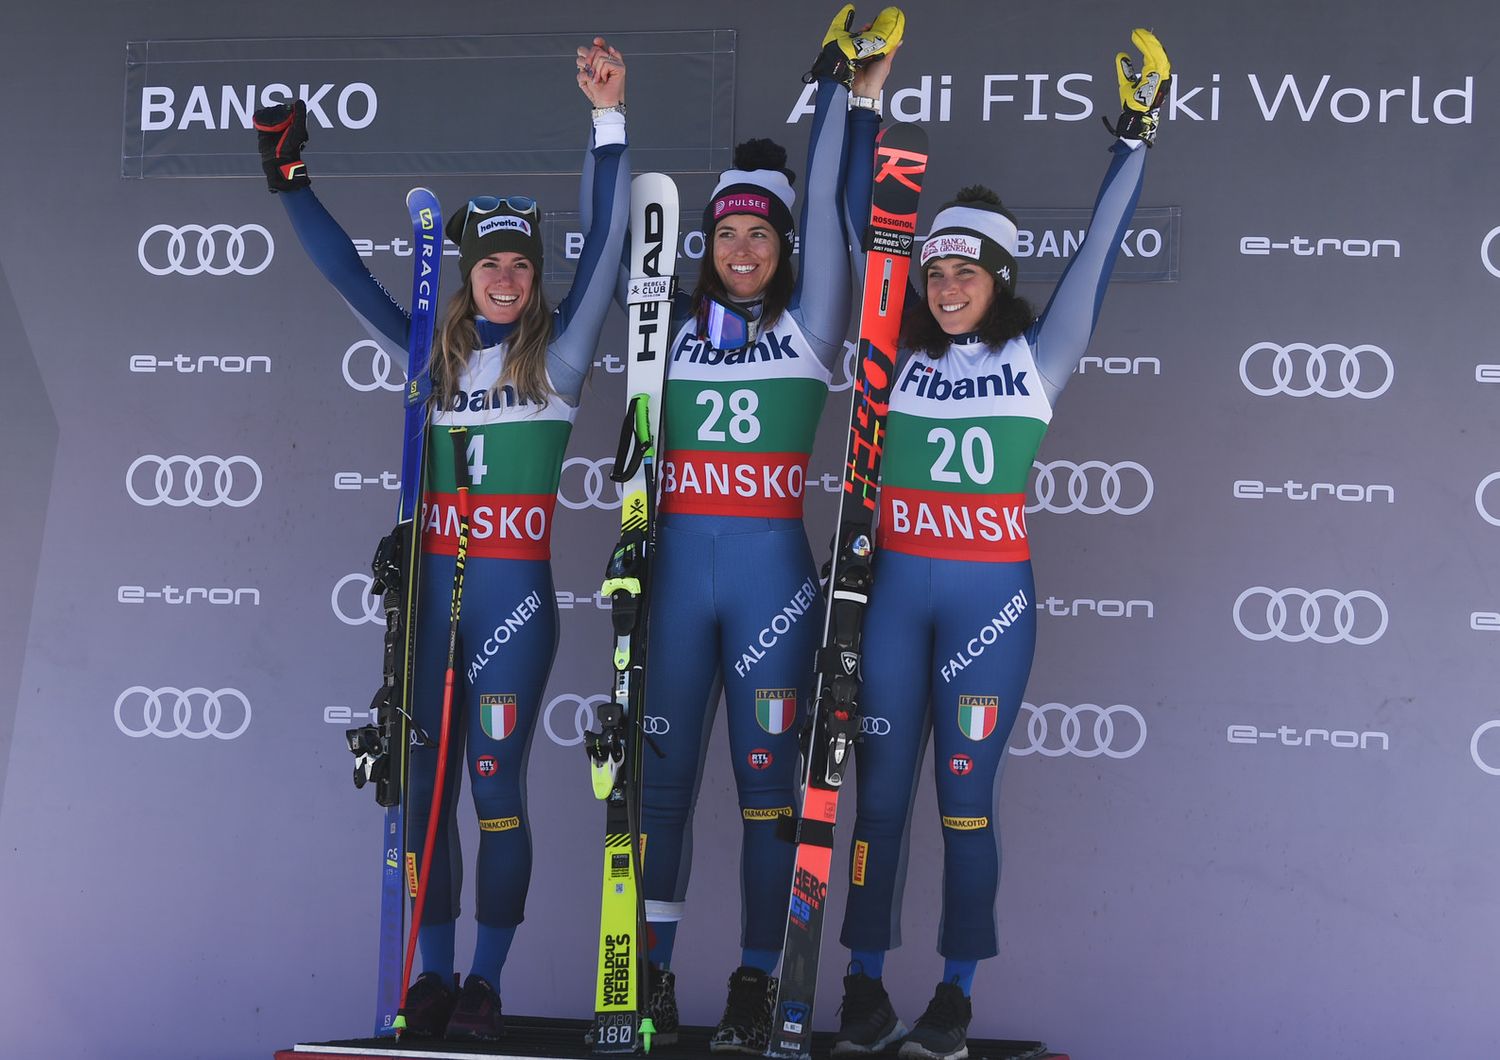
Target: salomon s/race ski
{"points": [[900, 163], [381, 748], [620, 1025]]}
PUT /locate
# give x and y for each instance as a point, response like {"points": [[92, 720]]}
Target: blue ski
{"points": [[403, 549]]}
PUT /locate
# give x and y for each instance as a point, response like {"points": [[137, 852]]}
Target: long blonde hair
{"points": [[525, 356]]}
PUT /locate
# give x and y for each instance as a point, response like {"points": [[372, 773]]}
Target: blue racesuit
{"points": [[735, 603], [508, 624], [951, 626]]}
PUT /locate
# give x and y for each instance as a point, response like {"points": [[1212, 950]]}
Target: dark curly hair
{"points": [[1007, 317]]}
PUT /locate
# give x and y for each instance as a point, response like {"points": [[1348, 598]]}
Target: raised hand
{"points": [[601, 73], [1141, 92]]}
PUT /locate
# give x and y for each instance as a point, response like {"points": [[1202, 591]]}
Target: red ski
{"points": [[900, 163]]}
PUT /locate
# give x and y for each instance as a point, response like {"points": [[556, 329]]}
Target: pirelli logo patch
{"points": [[966, 824], [411, 873], [499, 824], [770, 814], [861, 856]]}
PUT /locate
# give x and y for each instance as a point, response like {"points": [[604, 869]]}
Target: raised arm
{"points": [[840, 155], [1061, 334], [281, 132], [604, 205]]}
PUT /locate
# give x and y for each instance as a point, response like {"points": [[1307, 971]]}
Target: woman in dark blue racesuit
{"points": [[951, 626], [511, 371]]}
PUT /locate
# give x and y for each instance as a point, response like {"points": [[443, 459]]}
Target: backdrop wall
{"points": [[1246, 809]]}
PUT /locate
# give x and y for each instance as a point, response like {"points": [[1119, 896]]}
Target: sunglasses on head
{"points": [[522, 204]]}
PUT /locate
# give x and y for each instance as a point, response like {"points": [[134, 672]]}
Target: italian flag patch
{"points": [[497, 715], [775, 708], [977, 715]]}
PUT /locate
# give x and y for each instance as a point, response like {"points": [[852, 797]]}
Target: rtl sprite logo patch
{"points": [[487, 765], [775, 709], [977, 716], [961, 765], [497, 715]]}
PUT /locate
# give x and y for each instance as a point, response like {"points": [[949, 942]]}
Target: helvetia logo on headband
{"points": [[496, 224]]}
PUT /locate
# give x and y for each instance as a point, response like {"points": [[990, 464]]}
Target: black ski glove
{"points": [[281, 133]]}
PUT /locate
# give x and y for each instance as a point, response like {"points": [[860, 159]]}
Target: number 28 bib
{"points": [[740, 424]]}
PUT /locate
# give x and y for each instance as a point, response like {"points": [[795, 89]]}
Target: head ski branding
{"points": [[651, 301], [621, 1025]]}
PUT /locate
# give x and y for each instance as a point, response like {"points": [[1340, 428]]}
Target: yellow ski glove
{"points": [[1141, 92]]}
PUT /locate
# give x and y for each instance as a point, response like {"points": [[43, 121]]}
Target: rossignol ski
{"points": [[381, 748], [620, 1025], [900, 162]]}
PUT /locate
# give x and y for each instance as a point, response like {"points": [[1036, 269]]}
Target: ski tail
{"points": [[459, 436], [900, 163], [615, 748]]}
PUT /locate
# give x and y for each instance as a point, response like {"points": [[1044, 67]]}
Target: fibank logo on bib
{"points": [[929, 382], [496, 224]]}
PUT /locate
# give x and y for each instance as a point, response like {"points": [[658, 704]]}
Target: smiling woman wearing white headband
{"points": [[511, 370], [951, 626]]}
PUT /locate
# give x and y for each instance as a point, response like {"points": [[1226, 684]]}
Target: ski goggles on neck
{"points": [[521, 204], [722, 326]]}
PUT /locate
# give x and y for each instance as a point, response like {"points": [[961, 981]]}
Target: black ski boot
{"points": [[661, 1004], [477, 1014], [746, 1024], [942, 1033], [429, 1003], [867, 1022]]}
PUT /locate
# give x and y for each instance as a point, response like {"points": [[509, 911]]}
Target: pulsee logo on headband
{"points": [[496, 224], [741, 203]]}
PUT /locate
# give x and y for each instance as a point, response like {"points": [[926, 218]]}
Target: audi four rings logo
{"points": [[583, 717], [1324, 615], [196, 713], [591, 488], [1479, 495], [846, 380], [359, 605], [874, 726], [1479, 760], [654, 726], [1484, 252], [367, 359], [217, 250], [1115, 732], [235, 481], [1093, 487], [1300, 369]]}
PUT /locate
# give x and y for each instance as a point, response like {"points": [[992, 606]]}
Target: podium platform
{"points": [[529, 1037]]}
